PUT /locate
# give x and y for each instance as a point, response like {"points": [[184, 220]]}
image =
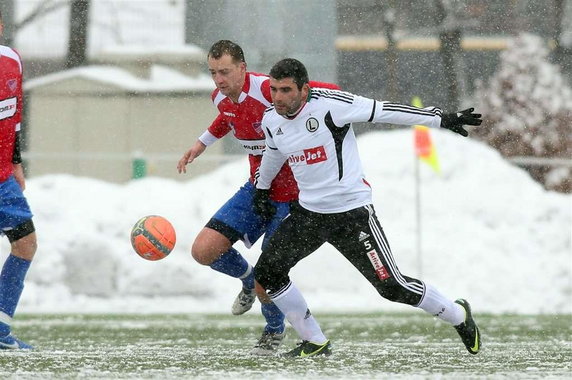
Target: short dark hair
{"points": [[290, 68], [222, 47]]}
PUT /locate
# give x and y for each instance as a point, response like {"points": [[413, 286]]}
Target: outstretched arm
{"points": [[354, 108], [196, 150], [217, 130]]}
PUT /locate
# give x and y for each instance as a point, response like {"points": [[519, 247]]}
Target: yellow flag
{"points": [[424, 147]]}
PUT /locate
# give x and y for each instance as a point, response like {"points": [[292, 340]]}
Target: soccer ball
{"points": [[153, 237]]}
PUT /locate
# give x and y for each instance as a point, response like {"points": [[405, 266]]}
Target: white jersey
{"points": [[320, 146]]}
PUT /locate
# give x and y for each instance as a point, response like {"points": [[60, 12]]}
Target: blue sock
{"points": [[233, 264], [11, 286], [274, 318]]}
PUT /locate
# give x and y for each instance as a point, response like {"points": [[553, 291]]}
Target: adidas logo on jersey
{"points": [[279, 132], [363, 236]]}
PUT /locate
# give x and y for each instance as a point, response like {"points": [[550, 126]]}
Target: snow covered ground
{"points": [[490, 234]]}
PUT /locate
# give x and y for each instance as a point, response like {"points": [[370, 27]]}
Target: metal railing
{"points": [[540, 161]]}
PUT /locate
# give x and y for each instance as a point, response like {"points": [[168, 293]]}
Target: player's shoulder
{"points": [[257, 80], [260, 76], [8, 52], [259, 87], [331, 95], [218, 98], [214, 94], [269, 111], [268, 115]]}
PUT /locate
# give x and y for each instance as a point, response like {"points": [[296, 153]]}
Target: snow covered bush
{"points": [[527, 109]]}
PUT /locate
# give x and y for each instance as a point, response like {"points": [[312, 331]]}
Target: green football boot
{"points": [[468, 330], [306, 349]]}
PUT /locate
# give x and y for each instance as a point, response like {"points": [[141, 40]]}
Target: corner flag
{"points": [[424, 148]]}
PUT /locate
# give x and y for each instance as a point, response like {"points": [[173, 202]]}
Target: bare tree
{"points": [[12, 27], [78, 25], [392, 58], [563, 50], [42, 9], [78, 33], [451, 52], [7, 8]]}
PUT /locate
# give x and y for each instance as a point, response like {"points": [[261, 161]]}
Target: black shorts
{"points": [[356, 234]]}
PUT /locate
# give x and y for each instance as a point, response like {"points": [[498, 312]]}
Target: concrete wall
{"points": [[84, 128]]}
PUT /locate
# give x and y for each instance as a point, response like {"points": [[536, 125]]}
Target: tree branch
{"points": [[43, 9]]}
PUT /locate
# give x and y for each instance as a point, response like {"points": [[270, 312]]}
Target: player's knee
{"points": [[203, 254], [209, 246], [270, 278], [262, 275], [265, 276], [391, 290], [25, 247]]}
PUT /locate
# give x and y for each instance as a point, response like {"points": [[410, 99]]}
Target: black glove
{"points": [[262, 205], [455, 121]]}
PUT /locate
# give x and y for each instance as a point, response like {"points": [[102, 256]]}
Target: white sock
{"points": [[436, 304], [293, 305]]}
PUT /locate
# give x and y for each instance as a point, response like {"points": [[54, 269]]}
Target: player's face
{"points": [[286, 96], [228, 76]]}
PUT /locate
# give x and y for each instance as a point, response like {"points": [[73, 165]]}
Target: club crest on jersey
{"points": [[257, 127], [308, 156], [380, 270], [12, 84], [312, 124]]}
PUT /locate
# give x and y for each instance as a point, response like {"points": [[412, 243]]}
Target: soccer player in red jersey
{"points": [[241, 98], [15, 215]]}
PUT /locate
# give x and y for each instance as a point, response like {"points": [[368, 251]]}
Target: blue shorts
{"points": [[14, 209], [237, 220]]}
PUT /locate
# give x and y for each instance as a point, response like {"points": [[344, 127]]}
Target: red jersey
{"points": [[244, 120], [10, 107]]}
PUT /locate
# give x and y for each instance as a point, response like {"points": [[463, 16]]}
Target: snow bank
{"points": [[489, 234]]}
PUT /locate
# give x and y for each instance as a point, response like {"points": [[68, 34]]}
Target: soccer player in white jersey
{"points": [[241, 98], [311, 130]]}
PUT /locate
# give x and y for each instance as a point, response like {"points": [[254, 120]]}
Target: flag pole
{"points": [[424, 150]]}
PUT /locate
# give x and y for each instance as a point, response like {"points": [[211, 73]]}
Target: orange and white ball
{"points": [[153, 237]]}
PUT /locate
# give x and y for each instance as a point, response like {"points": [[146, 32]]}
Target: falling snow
{"points": [[489, 233]]}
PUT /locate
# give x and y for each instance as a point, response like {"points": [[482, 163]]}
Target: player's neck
{"points": [[292, 115], [236, 96]]}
